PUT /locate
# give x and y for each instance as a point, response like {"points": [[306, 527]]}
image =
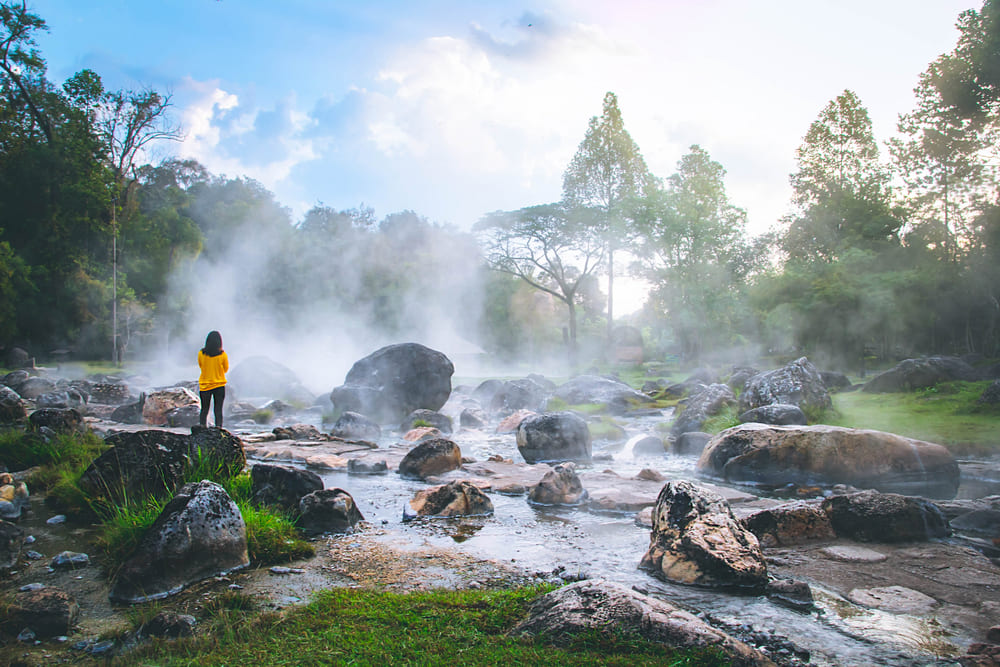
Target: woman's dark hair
{"points": [[213, 344]]}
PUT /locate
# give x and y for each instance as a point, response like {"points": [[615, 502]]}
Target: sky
{"points": [[455, 108]]}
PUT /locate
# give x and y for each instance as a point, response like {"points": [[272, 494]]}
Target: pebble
{"points": [[26, 636], [56, 520], [30, 539], [33, 555], [70, 560], [102, 648], [32, 587], [235, 587], [281, 569]]}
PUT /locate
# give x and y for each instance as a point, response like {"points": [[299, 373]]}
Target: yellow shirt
{"points": [[213, 371]]}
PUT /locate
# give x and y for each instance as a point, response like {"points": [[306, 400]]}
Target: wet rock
{"points": [[697, 540], [261, 376], [69, 560], [791, 523], [130, 413], [11, 541], [472, 418], [895, 599], [510, 423], [169, 624], [458, 498], [853, 554], [353, 425], [185, 416], [790, 593], [15, 379], [428, 418], [297, 432], [979, 522], [648, 445], [870, 516], [48, 612], [360, 467], [394, 381], [421, 433], [617, 397], [808, 455], [432, 457], [62, 398], [486, 390], [159, 403], [282, 486], [219, 446], [559, 486], [12, 408], [109, 393], [60, 420], [739, 376], [797, 383], [777, 413], [515, 395], [199, 534], [691, 443], [697, 409], [554, 436], [14, 498], [601, 606], [17, 357], [35, 386], [328, 511], [912, 374]]}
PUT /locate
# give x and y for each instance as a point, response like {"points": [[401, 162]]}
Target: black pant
{"points": [[206, 397]]}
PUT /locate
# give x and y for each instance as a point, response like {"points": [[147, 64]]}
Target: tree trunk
{"points": [[573, 348], [611, 295]]}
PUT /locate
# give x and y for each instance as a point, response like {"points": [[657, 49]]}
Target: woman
{"points": [[213, 362]]}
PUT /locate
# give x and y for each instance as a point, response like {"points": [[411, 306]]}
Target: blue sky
{"points": [[456, 108]]}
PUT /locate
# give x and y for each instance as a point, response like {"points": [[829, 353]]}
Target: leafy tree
{"points": [[22, 67], [550, 248], [968, 79], [606, 172]]}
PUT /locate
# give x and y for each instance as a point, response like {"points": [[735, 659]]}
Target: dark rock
{"points": [[472, 418], [835, 380], [697, 540], [691, 443], [791, 523], [592, 389], [12, 408], [130, 413], [170, 624], [199, 534], [828, 455], [515, 395], [15, 379], [185, 416], [297, 432], [282, 486], [328, 511], [700, 406], [739, 376], [486, 390], [870, 516], [554, 436], [991, 395], [912, 374], [353, 425], [35, 386], [359, 467], [394, 381], [49, 612], [68, 420], [430, 418], [776, 413], [431, 457], [458, 498], [597, 606], [790, 593], [62, 398], [797, 383], [263, 377], [11, 541], [17, 357], [559, 486]]}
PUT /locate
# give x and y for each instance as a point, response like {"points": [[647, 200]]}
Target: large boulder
{"points": [[828, 455], [60, 420], [777, 413], [393, 381], [515, 395], [12, 408], [603, 607], [870, 516], [588, 389], [35, 386], [708, 401], [458, 498], [912, 374], [554, 436], [696, 539], [282, 486], [199, 534], [328, 511], [430, 418], [261, 376], [559, 486], [159, 403], [798, 383], [68, 397], [431, 457]]}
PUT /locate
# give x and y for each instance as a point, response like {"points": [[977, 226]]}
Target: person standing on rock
{"points": [[213, 362]]}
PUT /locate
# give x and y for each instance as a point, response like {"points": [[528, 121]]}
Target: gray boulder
{"points": [[691, 443], [130, 413], [777, 413], [472, 418], [696, 539], [797, 383], [328, 511], [355, 426], [263, 377], [590, 389], [282, 486], [12, 408], [708, 402], [35, 386], [870, 516], [69, 397], [559, 486], [431, 457], [603, 607], [15, 379], [515, 395], [199, 534], [912, 374], [430, 418], [394, 381], [991, 395], [554, 436], [835, 380], [60, 420]]}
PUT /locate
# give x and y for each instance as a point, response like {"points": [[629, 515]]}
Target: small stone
{"points": [[281, 569], [57, 520], [30, 539], [102, 648], [32, 587], [851, 554], [70, 560], [33, 555], [26, 636], [235, 587]]}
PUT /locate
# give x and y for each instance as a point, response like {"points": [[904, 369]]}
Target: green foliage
{"points": [[351, 626], [421, 423], [272, 536], [262, 416], [606, 429], [728, 417]]}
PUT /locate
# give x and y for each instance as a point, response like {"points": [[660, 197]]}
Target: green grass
{"points": [[947, 414], [372, 627], [728, 417]]}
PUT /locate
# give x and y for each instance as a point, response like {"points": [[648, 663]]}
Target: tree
{"points": [[20, 63], [550, 248], [968, 79], [606, 172]]}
